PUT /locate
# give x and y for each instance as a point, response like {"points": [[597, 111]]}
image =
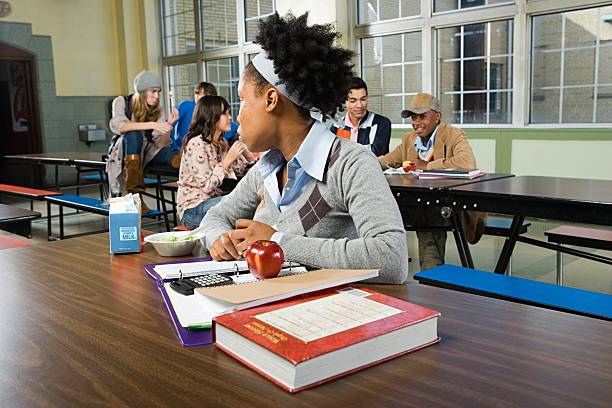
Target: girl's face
{"points": [[224, 124], [153, 96], [255, 128]]}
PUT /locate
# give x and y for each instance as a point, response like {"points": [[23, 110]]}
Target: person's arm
{"points": [[369, 202], [394, 158], [460, 154], [382, 137], [120, 123], [240, 203]]}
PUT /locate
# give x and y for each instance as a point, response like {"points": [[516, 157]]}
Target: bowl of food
{"points": [[173, 243]]}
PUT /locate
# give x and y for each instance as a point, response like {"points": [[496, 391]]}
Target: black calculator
{"points": [[187, 285]]}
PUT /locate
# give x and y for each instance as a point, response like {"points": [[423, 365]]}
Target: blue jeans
{"points": [[132, 144], [193, 216]]}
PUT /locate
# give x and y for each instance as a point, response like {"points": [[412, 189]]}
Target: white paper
{"points": [[188, 309], [171, 271], [323, 317]]}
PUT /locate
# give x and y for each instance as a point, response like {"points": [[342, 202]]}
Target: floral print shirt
{"points": [[202, 173]]}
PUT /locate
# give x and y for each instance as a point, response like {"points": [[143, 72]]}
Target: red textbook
{"points": [[304, 341]]}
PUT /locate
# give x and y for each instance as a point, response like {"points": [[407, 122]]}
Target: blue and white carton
{"points": [[124, 225]]}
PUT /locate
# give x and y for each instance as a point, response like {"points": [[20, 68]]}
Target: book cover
{"points": [[302, 340]]}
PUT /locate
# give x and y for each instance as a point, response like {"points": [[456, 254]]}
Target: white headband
{"points": [[265, 67]]}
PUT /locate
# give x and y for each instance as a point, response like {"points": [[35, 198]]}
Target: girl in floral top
{"points": [[207, 160]]}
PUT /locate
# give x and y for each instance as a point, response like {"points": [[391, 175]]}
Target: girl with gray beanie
{"points": [[141, 132]]}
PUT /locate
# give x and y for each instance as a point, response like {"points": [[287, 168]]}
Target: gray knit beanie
{"points": [[146, 80]]}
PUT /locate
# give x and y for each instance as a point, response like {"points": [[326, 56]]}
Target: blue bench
{"points": [[88, 204], [96, 178], [500, 227], [546, 295]]}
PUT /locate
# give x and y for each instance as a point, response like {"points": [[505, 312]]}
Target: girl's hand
{"points": [[233, 153], [161, 127], [174, 115]]}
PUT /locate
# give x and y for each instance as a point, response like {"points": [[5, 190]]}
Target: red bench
{"points": [[579, 236]]}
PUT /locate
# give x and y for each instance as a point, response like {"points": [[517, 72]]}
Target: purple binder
{"points": [[187, 337]]}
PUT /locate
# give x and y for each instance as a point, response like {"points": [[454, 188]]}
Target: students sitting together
{"points": [[320, 193]]}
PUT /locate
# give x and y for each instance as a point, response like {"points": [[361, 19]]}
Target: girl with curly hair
{"points": [[322, 198]]}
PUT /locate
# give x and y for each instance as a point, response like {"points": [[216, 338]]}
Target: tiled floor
{"points": [[528, 261]]}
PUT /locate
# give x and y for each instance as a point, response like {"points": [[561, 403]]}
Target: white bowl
{"points": [[177, 248]]}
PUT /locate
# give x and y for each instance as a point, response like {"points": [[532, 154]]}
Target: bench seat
{"points": [[26, 192], [580, 236], [546, 295], [96, 178], [500, 227], [88, 204], [17, 220]]}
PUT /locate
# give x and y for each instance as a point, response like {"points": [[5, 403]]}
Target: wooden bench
{"points": [[541, 294], [88, 204], [27, 193], [17, 220], [578, 236]]}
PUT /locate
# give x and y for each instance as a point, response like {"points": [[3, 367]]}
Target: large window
{"points": [[391, 67], [475, 72], [571, 71], [206, 40]]}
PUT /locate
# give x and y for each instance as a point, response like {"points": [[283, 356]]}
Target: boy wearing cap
{"points": [[141, 136], [360, 125], [434, 145]]}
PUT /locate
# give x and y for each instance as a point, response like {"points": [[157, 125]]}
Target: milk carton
{"points": [[124, 225]]}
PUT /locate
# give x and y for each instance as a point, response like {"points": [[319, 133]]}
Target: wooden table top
{"points": [[81, 327], [559, 198], [400, 182]]}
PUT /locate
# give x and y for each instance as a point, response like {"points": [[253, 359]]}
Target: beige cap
{"points": [[421, 103]]}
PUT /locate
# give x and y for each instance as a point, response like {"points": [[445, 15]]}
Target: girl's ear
{"points": [[272, 98]]}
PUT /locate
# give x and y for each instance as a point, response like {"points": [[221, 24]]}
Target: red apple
{"points": [[408, 165], [265, 259]]}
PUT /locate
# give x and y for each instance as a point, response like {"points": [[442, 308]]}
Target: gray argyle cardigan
{"points": [[349, 220]]}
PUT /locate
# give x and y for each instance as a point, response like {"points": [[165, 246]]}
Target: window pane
{"points": [[451, 108], [370, 11], [579, 67], [392, 68], [546, 69], [474, 108], [500, 107], [223, 73], [570, 59], [178, 27], [545, 106], [446, 5], [474, 61], [254, 11], [604, 104], [219, 23], [577, 105], [180, 79]]}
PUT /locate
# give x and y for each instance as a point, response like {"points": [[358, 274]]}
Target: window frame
{"points": [[520, 12]]}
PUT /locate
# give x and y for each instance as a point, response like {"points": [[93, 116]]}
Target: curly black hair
{"points": [[306, 61]]}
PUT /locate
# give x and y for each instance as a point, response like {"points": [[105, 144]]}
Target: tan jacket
{"points": [[451, 150]]}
